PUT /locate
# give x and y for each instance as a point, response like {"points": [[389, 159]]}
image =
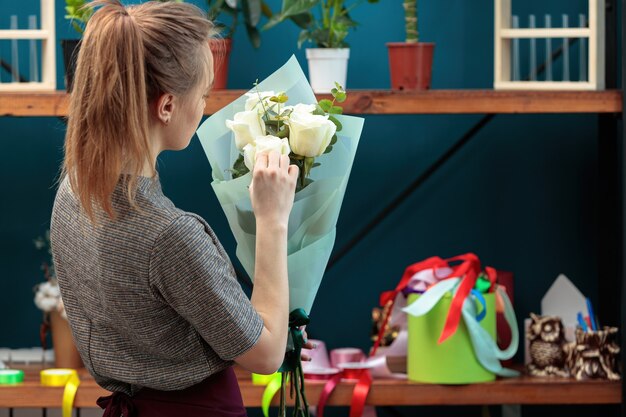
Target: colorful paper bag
{"points": [[450, 362], [471, 353]]}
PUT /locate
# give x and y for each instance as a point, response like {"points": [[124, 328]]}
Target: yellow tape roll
{"points": [[56, 377], [67, 378]]}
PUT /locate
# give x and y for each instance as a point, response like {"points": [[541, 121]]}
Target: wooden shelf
{"points": [[523, 390], [380, 102]]}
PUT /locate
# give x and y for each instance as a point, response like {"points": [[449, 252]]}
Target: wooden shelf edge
{"points": [[523, 390], [54, 104]]}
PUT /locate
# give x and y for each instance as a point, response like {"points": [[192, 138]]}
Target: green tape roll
{"points": [[11, 376]]}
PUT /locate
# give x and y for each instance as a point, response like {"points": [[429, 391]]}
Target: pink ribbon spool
{"points": [[345, 355], [318, 368]]}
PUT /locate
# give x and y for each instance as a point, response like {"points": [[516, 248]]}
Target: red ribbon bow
{"points": [[359, 395], [467, 270]]}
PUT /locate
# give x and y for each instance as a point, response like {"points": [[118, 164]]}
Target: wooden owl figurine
{"points": [[546, 345]]}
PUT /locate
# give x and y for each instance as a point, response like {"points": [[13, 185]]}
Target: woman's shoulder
{"points": [[186, 227]]}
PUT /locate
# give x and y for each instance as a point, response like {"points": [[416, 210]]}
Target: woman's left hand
{"points": [[307, 345]]}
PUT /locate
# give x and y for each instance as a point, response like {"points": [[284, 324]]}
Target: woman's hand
{"points": [[273, 187], [307, 345]]}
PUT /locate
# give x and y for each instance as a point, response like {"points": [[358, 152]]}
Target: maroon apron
{"points": [[216, 396]]}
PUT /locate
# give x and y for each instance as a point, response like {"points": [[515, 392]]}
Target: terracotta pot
{"points": [[65, 353], [70, 53], [410, 65], [221, 55]]}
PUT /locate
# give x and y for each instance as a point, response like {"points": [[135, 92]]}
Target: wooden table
{"points": [[522, 390]]}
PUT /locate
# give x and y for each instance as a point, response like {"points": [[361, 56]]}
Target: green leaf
{"points": [[319, 111], [291, 9], [300, 187], [276, 19], [335, 110], [333, 140], [239, 168], [336, 122], [253, 35], [214, 10], [252, 11], [77, 27], [265, 9], [284, 132], [303, 20], [280, 98], [303, 37], [341, 96], [271, 130], [326, 105], [295, 7], [328, 149]]}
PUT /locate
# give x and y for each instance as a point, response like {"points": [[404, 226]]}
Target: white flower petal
{"points": [[310, 134], [246, 126]]}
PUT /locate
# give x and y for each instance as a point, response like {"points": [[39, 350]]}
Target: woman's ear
{"points": [[165, 107]]}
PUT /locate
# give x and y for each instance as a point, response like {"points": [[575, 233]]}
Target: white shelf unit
{"points": [[504, 35], [48, 52]]}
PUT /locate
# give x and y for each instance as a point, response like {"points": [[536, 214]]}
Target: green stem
{"points": [[351, 7], [282, 410], [410, 20], [336, 12], [302, 390], [325, 14], [234, 25]]}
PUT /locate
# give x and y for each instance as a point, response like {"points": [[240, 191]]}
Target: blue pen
{"points": [[592, 317], [581, 322]]}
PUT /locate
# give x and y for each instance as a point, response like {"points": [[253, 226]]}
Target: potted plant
{"points": [[410, 62], [48, 299], [328, 61], [221, 47], [78, 14]]}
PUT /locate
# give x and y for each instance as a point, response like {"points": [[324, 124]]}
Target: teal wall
{"points": [[522, 195]]}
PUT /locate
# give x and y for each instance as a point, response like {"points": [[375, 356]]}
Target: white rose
{"points": [[264, 144], [301, 108], [246, 126], [310, 134], [253, 101]]}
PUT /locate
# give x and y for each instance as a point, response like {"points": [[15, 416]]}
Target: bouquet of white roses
{"points": [[319, 139], [302, 131]]}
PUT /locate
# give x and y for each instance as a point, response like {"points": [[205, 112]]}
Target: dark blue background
{"points": [[522, 195]]}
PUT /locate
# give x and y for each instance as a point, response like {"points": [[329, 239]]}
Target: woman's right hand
{"points": [[273, 187]]}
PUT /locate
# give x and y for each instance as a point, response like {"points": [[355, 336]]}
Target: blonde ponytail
{"points": [[128, 57]]}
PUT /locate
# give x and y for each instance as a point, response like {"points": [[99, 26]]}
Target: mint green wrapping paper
{"points": [[313, 219]]}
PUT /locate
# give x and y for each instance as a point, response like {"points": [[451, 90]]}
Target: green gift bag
{"points": [[471, 354], [450, 362]]}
